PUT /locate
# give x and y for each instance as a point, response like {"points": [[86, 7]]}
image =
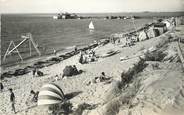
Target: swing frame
{"points": [[28, 37]]}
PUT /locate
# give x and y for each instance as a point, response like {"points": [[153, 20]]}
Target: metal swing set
{"points": [[27, 37]]}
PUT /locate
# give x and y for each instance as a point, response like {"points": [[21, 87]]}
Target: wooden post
{"points": [[34, 44], [7, 51], [30, 47], [17, 51], [134, 25]]}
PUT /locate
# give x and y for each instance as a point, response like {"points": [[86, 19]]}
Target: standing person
{"points": [[75, 49], [1, 86], [81, 57], [55, 52], [12, 100], [34, 71]]}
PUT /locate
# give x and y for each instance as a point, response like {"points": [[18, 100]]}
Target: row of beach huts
{"points": [[151, 30]]}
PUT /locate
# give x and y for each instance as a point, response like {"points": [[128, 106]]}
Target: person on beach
{"points": [[39, 73], [75, 70], [12, 100], [174, 21], [81, 57], [34, 71], [56, 78], [55, 52], [1, 86], [35, 95], [75, 49], [102, 76]]}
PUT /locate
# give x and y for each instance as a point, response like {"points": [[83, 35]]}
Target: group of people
{"points": [[37, 72], [33, 94], [101, 78], [12, 98], [87, 56]]}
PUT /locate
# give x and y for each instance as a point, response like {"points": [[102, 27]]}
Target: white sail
{"points": [[91, 26]]}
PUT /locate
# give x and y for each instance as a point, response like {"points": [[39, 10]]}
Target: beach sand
{"points": [[157, 84]]}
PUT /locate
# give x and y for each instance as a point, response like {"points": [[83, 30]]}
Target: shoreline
{"points": [[45, 58]]}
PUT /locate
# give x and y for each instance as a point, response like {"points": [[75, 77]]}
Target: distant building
{"points": [[66, 16]]}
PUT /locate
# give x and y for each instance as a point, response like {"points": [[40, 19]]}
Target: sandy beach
{"points": [[160, 92]]}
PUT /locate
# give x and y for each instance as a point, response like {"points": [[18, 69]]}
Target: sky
{"points": [[89, 6]]}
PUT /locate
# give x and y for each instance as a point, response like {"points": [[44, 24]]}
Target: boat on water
{"points": [[91, 26]]}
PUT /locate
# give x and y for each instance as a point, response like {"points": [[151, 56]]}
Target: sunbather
{"points": [[75, 70], [102, 78]]}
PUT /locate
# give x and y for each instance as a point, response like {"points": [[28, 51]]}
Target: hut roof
{"points": [[159, 25]]}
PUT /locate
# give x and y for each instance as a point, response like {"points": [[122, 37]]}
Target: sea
{"points": [[59, 35]]}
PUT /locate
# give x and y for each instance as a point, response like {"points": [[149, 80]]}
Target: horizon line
{"points": [[91, 12]]}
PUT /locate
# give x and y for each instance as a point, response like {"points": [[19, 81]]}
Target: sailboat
{"points": [[91, 26]]}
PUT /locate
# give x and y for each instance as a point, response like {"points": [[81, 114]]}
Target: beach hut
{"points": [[143, 36], [161, 27], [50, 94], [179, 20], [168, 24], [123, 41], [152, 33]]}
